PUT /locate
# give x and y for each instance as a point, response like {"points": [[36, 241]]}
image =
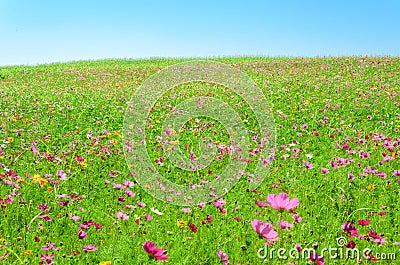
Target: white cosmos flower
{"points": [[156, 211]]}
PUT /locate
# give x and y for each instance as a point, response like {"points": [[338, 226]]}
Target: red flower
{"points": [[193, 227]]}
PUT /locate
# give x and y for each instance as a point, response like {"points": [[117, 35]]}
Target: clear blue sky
{"points": [[60, 30]]}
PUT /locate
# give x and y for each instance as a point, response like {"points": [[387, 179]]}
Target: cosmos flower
{"points": [[266, 230], [152, 250], [281, 202], [349, 229], [89, 248]]}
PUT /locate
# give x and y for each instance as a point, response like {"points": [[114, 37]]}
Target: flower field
{"points": [[68, 196]]}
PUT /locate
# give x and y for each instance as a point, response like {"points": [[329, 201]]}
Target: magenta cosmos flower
{"points": [[152, 250], [281, 202], [266, 230], [317, 259], [349, 229]]}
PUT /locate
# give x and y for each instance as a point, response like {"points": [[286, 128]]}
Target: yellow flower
{"points": [[105, 263], [174, 142], [49, 188], [28, 252], [181, 223], [2, 239], [36, 178], [371, 187], [11, 139]]}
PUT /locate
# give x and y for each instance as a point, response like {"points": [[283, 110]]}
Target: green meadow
{"points": [[67, 195]]}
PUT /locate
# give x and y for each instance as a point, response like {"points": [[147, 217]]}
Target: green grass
{"points": [[59, 105]]}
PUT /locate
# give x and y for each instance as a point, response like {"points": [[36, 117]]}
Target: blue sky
{"points": [[45, 31]]}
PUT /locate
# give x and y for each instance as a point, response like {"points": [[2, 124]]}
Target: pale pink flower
{"points": [[122, 215], [141, 204], [284, 225], [186, 210]]}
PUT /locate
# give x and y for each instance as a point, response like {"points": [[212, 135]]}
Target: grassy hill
{"points": [[62, 159]]}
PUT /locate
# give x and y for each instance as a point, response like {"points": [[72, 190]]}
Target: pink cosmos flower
{"points": [[33, 147], [223, 256], [50, 246], [265, 230], [148, 217], [186, 210], [297, 218], [324, 170], [349, 229], [82, 234], [76, 218], [308, 165], [89, 248], [44, 207], [122, 215], [152, 250], [141, 204], [47, 258], [130, 193], [61, 175], [298, 247], [377, 238], [364, 155], [284, 225], [281, 202]]}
